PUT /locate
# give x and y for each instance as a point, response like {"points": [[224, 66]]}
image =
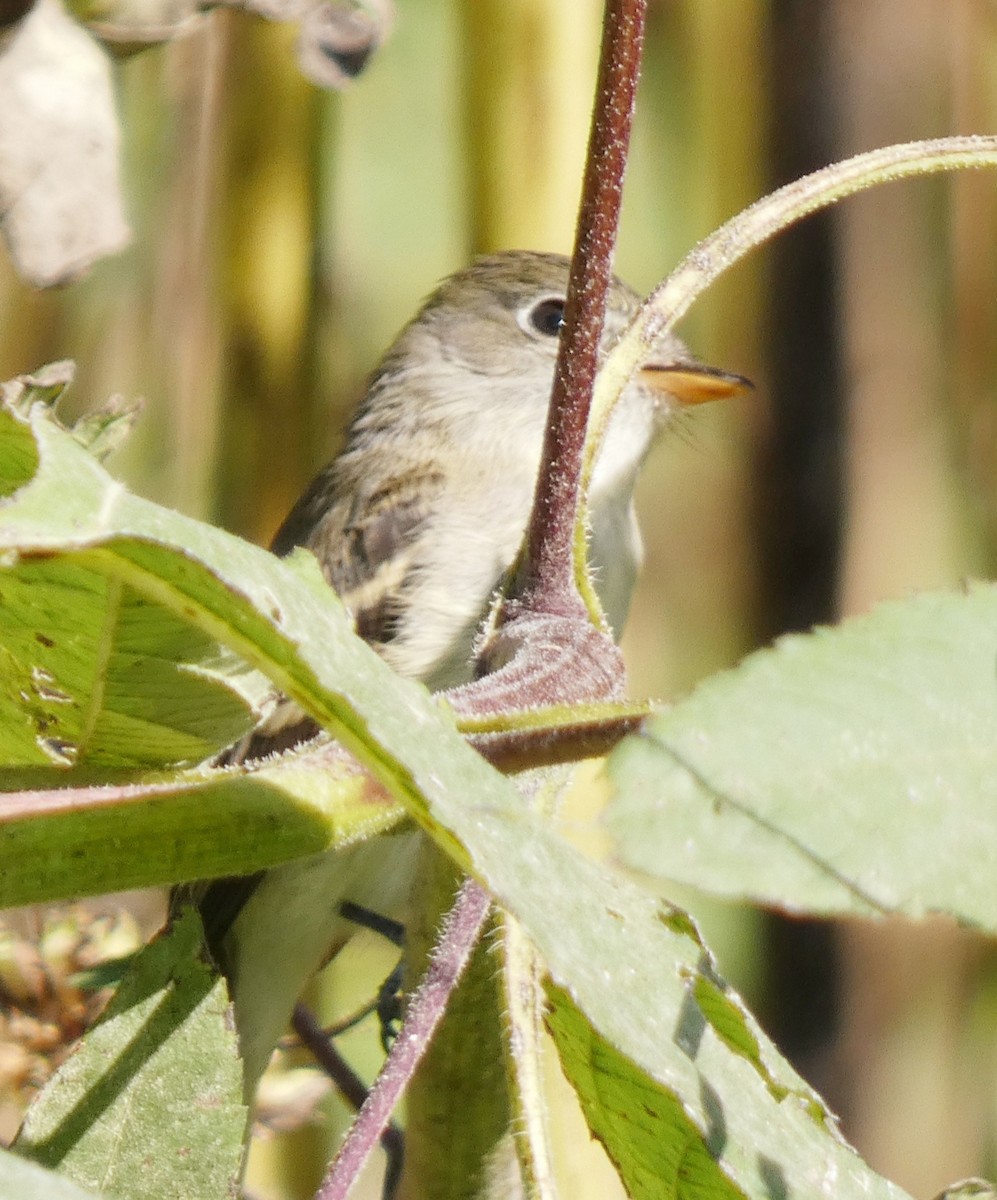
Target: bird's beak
{"points": [[692, 383]]}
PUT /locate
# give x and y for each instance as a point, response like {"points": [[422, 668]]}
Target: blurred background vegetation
{"points": [[284, 234]]}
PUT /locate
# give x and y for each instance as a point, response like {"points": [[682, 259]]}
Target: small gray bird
{"points": [[414, 524]]}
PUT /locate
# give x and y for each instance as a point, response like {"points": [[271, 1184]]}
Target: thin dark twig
{"points": [[548, 580], [352, 1087], [316, 1040], [392, 931], [457, 939], [337, 1028]]}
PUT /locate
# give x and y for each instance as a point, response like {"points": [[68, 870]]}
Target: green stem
{"points": [[750, 228], [524, 1000]]}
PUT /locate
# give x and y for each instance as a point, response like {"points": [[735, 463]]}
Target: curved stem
{"points": [[750, 228]]}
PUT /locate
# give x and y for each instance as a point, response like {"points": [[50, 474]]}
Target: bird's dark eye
{"points": [[547, 316]]}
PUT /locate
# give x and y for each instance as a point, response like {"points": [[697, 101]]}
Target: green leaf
{"points": [[850, 770], [969, 1189], [18, 453], [102, 430], [149, 1107], [701, 1070], [279, 615], [656, 1148], [22, 1180], [630, 968], [43, 386], [91, 673], [150, 831]]}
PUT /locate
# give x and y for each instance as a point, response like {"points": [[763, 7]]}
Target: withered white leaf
{"points": [[61, 205]]}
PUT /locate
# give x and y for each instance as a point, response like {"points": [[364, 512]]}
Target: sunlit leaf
{"points": [[280, 615], [640, 975], [150, 1105], [91, 673], [700, 1069], [22, 1180], [18, 452], [850, 770], [969, 1189], [148, 831], [655, 1147]]}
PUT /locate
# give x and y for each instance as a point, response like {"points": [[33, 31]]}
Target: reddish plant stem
{"points": [[547, 584], [457, 939], [351, 1087], [548, 578]]}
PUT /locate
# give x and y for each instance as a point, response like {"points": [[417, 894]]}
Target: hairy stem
{"points": [[457, 939], [350, 1086], [548, 582], [751, 228]]}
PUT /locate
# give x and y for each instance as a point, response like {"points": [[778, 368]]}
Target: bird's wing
{"points": [[367, 546], [368, 549], [369, 556]]}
